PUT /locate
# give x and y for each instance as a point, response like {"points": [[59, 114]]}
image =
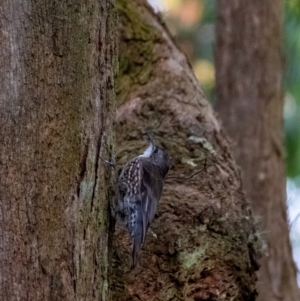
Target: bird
{"points": [[140, 186]]}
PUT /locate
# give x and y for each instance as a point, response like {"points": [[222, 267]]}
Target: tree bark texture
{"points": [[249, 68], [56, 110], [202, 244]]}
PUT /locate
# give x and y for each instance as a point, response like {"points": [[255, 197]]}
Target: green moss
{"points": [[137, 41], [136, 28]]}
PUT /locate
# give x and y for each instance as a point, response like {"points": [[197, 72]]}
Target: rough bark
{"points": [[202, 244], [56, 112], [249, 67]]}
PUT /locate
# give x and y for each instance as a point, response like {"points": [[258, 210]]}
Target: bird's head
{"points": [[158, 157]]}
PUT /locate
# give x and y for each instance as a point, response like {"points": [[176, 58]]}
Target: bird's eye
{"points": [[156, 151]]}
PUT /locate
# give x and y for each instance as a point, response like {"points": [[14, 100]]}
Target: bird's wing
{"points": [[150, 189]]}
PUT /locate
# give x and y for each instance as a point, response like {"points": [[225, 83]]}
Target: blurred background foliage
{"points": [[292, 86], [193, 24]]}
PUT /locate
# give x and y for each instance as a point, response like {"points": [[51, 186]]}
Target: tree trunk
{"points": [[57, 65], [202, 244], [249, 89]]}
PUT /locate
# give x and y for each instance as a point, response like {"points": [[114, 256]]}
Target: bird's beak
{"points": [[150, 139]]}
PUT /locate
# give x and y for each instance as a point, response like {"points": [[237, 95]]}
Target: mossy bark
{"points": [[249, 68], [202, 244], [56, 113]]}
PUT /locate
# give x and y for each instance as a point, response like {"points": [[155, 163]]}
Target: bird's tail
{"points": [[137, 242], [138, 234]]}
